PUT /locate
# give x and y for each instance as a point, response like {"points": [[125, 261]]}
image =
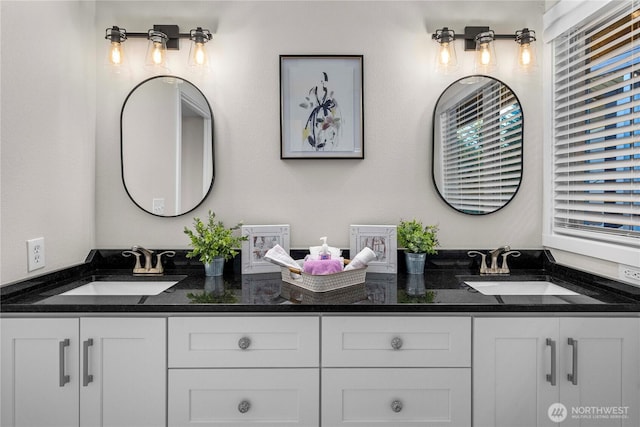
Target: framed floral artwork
{"points": [[321, 107]]}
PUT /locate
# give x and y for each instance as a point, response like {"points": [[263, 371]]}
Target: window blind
{"points": [[596, 83], [482, 149]]}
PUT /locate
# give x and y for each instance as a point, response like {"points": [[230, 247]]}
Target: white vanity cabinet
{"points": [[396, 370], [83, 371], [40, 372], [523, 366], [235, 370]]}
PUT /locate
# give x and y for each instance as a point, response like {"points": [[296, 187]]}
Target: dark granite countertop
{"points": [[441, 288]]}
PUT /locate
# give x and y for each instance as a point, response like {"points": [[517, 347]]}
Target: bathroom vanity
{"points": [[232, 351]]}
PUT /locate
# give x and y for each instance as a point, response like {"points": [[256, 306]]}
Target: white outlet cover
{"points": [[158, 206], [35, 254], [629, 274]]}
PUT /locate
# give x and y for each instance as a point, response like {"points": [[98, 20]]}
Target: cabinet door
{"points": [[123, 372], [402, 341], [395, 397], [243, 397], [513, 368], [601, 371], [39, 372]]}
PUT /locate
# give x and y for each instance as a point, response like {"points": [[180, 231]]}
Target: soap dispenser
{"points": [[324, 250]]}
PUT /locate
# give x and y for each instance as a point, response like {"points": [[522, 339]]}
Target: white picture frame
{"points": [[382, 239], [261, 238]]}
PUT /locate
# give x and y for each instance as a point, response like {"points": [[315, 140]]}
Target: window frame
{"points": [[557, 20]]}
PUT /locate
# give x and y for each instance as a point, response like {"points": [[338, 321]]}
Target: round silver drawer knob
{"points": [[396, 343], [244, 343], [244, 406], [396, 406]]}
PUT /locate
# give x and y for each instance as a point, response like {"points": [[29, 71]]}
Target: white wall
{"points": [[48, 133], [320, 197], [51, 123]]}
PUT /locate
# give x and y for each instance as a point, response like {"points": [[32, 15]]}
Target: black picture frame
{"points": [[321, 107]]}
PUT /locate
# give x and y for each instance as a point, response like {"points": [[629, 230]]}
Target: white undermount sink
{"points": [[519, 288], [122, 288]]}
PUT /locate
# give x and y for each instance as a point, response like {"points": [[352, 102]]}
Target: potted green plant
{"points": [[417, 240], [213, 243]]}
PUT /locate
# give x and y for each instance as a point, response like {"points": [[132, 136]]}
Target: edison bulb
{"points": [[445, 56], [157, 56], [115, 54], [200, 55], [485, 55], [525, 54]]}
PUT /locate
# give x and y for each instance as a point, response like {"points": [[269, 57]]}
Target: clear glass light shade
{"points": [[485, 56], [115, 54], [526, 56], [156, 51], [446, 56], [198, 56]]}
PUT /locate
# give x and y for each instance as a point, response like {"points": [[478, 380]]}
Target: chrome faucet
{"points": [[147, 258], [494, 269], [494, 258], [148, 269]]}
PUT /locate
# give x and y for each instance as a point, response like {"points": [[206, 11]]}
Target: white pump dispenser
{"points": [[324, 251]]}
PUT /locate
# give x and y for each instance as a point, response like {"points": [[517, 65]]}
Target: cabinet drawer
{"points": [[233, 397], [394, 397], [201, 342], [396, 341]]}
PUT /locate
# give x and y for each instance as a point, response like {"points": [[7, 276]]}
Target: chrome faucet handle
{"points": [[159, 268], [483, 263], [505, 268], [137, 255]]}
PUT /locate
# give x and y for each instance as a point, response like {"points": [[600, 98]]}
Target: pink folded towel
{"points": [[323, 266]]}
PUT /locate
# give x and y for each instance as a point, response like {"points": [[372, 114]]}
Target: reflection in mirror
{"points": [[477, 145], [167, 146]]}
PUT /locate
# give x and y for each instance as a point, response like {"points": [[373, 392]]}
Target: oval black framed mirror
{"points": [[478, 128], [166, 141]]}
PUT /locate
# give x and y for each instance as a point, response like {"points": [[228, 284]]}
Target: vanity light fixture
{"points": [[116, 36], [446, 58], [481, 40], [161, 38], [526, 49], [485, 58], [198, 53], [156, 56]]}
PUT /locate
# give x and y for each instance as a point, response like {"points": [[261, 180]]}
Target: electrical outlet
{"points": [[35, 254], [158, 206], [629, 274]]}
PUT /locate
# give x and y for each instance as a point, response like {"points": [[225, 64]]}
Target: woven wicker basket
{"points": [[348, 295], [325, 282]]}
